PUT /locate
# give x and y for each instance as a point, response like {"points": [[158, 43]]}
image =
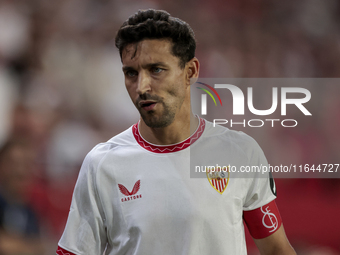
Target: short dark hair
{"points": [[158, 24]]}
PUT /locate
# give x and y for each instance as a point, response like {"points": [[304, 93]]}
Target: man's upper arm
{"points": [[260, 211], [275, 244], [85, 228]]}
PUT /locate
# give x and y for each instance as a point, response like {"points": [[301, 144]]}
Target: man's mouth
{"points": [[147, 105]]}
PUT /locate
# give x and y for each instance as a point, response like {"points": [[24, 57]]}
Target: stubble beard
{"points": [[153, 121], [157, 119]]}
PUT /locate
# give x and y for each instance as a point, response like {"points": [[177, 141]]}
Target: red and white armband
{"points": [[263, 221]]}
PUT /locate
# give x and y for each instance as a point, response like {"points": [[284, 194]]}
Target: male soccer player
{"points": [[134, 194]]}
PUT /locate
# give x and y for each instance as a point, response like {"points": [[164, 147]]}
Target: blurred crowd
{"points": [[62, 91]]}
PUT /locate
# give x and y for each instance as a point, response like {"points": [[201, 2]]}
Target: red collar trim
{"points": [[168, 148]]}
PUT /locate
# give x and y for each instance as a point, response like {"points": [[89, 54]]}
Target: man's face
{"points": [[154, 81]]}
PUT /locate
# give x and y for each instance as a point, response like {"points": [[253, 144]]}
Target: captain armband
{"points": [[263, 221]]}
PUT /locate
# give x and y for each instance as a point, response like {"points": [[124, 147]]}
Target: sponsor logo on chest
{"points": [[128, 196]]}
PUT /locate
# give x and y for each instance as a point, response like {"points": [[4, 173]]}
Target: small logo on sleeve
{"points": [[272, 184], [130, 195]]}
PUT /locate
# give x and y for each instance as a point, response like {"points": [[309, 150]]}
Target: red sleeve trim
{"points": [[263, 221], [61, 251]]}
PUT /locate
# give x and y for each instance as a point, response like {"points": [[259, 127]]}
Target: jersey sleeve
{"points": [[85, 228], [262, 188], [260, 212]]}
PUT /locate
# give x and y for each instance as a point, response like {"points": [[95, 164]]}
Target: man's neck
{"points": [[176, 132]]}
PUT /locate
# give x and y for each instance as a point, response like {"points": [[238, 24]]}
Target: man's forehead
{"points": [[148, 46], [130, 50]]}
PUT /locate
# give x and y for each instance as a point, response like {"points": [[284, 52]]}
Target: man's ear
{"points": [[193, 67]]}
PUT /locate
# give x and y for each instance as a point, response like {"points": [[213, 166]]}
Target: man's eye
{"points": [[157, 70], [131, 73]]}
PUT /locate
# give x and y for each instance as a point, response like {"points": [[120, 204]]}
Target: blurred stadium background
{"points": [[62, 91]]}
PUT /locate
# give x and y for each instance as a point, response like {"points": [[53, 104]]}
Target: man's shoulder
{"points": [[225, 134], [222, 138], [123, 139], [119, 141]]}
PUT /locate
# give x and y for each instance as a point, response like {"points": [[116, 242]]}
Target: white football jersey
{"points": [[133, 197]]}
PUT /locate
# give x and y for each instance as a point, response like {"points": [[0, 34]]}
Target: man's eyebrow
{"points": [[147, 66], [127, 68], [155, 64]]}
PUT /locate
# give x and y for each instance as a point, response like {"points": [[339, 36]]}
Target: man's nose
{"points": [[144, 83]]}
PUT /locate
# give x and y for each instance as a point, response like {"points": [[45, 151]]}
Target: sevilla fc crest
{"points": [[218, 178]]}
